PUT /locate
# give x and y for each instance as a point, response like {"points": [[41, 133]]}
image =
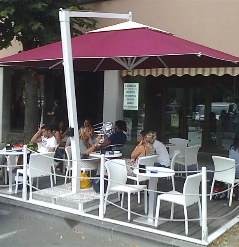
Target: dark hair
{"points": [[235, 143], [143, 133], [121, 124], [56, 101], [48, 127]]}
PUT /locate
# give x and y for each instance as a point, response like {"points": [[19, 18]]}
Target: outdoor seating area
{"points": [[157, 210]]}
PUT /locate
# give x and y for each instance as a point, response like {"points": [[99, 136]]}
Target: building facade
{"points": [[174, 104]]}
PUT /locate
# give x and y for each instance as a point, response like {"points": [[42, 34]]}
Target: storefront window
{"points": [[135, 119]]}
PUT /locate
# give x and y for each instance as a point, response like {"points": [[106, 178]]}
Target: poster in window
{"points": [[131, 95]]}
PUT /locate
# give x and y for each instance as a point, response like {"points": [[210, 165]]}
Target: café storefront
{"points": [[200, 105]]}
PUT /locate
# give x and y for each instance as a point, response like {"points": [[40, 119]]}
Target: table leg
{"points": [[152, 200]]}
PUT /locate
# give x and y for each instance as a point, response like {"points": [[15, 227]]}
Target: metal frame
{"points": [[64, 17]]}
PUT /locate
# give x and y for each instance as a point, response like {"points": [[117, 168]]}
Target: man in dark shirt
{"points": [[56, 113], [118, 137]]}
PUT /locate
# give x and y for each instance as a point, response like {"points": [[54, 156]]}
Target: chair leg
{"points": [[231, 193], [172, 210], [67, 172], [16, 181], [157, 212], [51, 180], [37, 182], [138, 193], [145, 201], [173, 183], [30, 185], [186, 219], [105, 201], [129, 207], [212, 187], [122, 200], [54, 172]]}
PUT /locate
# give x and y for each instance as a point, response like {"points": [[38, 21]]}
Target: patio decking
{"points": [[219, 213]]}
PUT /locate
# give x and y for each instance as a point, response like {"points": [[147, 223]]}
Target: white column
{"points": [[113, 96], [5, 96]]}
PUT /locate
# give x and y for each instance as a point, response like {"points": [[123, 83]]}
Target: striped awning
{"points": [[183, 71]]}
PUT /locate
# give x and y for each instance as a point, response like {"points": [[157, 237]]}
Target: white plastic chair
{"points": [[189, 197], [173, 160], [147, 161], [179, 144], [190, 157], [89, 164], [117, 177], [224, 172], [39, 166]]}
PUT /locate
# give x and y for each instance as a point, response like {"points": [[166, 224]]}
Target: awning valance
{"points": [[183, 71]]}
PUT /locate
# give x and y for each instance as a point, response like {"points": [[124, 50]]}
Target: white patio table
{"points": [[107, 155], [12, 163], [159, 172]]}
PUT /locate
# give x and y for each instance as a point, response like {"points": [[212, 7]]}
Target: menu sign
{"points": [[131, 94]]}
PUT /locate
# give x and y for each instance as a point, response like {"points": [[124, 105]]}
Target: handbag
{"points": [[84, 181]]}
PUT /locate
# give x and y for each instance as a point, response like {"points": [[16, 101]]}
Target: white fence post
{"points": [[24, 177], [204, 206], [102, 175]]}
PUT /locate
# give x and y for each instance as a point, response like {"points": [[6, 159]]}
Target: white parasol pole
{"points": [[64, 17]]}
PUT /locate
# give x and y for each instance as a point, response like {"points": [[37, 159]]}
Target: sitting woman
{"points": [[85, 147], [144, 148], [87, 123]]}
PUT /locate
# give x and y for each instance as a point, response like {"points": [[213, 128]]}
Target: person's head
{"points": [[84, 133], [87, 122], [56, 102], [47, 130], [150, 137], [60, 125], [120, 125], [236, 140], [142, 134]]}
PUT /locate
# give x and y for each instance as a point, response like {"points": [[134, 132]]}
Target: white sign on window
{"points": [[131, 93]]}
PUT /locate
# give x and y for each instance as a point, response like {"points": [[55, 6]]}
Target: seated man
{"points": [[118, 137], [45, 139]]}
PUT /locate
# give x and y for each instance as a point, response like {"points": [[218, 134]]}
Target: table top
{"points": [[11, 152], [159, 172], [107, 155]]}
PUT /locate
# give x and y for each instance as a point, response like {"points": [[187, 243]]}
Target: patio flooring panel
{"points": [[215, 209]]}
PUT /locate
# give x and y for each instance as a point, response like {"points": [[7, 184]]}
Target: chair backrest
{"points": [[68, 156], [224, 169], [147, 160], [40, 164], [191, 188], [191, 154], [117, 172], [179, 144], [175, 155]]}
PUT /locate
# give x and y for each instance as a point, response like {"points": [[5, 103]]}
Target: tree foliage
{"points": [[35, 23]]}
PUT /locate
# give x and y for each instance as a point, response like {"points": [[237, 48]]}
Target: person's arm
{"points": [[58, 139], [94, 147], [106, 142], [37, 136], [137, 151]]}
